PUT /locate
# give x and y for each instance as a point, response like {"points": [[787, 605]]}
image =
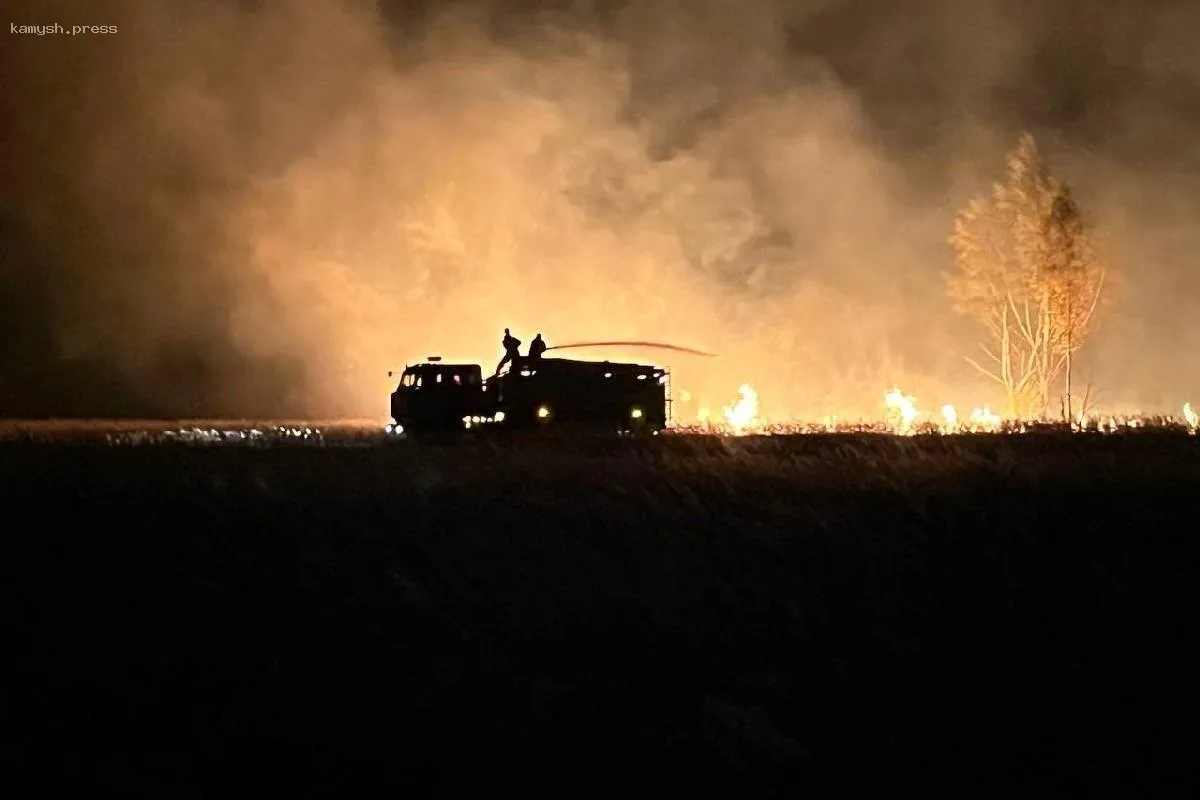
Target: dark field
{"points": [[679, 617]]}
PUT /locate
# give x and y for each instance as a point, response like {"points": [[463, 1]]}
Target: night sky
{"points": [[256, 209]]}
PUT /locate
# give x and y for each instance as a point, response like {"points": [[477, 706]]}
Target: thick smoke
{"points": [[249, 208]]}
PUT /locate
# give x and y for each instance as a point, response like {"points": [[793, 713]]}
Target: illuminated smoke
{"points": [[293, 197]]}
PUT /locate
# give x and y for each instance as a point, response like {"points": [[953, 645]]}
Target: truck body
{"points": [[553, 394]]}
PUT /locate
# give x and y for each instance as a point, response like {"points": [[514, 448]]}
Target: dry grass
{"points": [[685, 616]]}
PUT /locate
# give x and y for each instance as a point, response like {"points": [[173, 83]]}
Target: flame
{"points": [[982, 419], [902, 408], [903, 418], [744, 412]]}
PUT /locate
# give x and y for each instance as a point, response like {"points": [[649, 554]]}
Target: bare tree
{"points": [[1074, 284], [1087, 404], [1026, 270]]}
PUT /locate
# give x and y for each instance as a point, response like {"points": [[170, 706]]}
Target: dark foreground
{"points": [[680, 617]]}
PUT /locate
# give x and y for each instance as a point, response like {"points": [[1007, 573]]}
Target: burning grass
{"points": [[902, 416], [743, 616]]}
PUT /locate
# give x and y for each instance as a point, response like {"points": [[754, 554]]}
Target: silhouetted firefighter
{"points": [[537, 347], [512, 349]]}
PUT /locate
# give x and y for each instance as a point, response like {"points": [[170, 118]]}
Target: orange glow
{"points": [[365, 196]]}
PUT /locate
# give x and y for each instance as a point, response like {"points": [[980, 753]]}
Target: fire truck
{"points": [[548, 394]]}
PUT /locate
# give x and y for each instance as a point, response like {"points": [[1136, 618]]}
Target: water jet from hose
{"points": [[655, 345]]}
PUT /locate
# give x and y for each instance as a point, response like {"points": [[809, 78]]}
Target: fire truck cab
{"points": [[437, 396]]}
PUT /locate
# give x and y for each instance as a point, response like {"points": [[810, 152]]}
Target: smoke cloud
{"points": [[257, 209]]}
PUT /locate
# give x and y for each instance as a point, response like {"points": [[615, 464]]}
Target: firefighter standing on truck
{"points": [[537, 347], [511, 349]]}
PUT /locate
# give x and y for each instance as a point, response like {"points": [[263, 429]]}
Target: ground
{"points": [[687, 616]]}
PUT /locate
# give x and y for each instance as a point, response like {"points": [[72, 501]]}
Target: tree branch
{"points": [[987, 352], [986, 372]]}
